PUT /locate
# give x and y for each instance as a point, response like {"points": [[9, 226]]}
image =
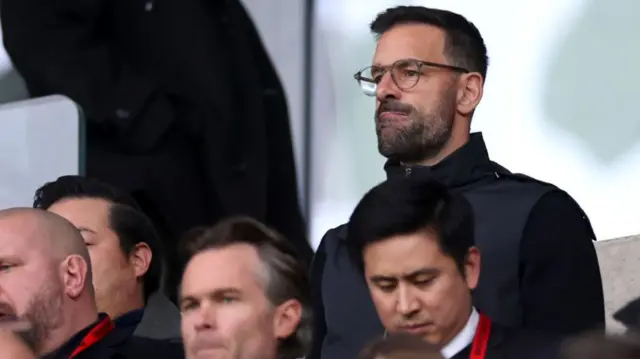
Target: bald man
{"points": [[45, 279]]}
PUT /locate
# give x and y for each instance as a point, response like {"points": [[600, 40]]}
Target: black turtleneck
{"points": [[468, 164]]}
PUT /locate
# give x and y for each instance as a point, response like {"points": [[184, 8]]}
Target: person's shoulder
{"points": [[332, 236], [550, 193], [549, 198], [327, 247], [161, 319], [558, 205], [336, 232], [140, 347], [525, 180], [496, 180]]}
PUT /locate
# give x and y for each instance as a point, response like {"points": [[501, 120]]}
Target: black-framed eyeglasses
{"points": [[405, 74]]}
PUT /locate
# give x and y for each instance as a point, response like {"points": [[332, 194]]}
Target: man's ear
{"points": [[140, 258], [75, 271], [470, 91], [287, 318], [472, 267]]}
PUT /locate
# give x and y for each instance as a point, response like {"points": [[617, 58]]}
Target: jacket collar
{"points": [[466, 165], [70, 345], [464, 338], [161, 319]]}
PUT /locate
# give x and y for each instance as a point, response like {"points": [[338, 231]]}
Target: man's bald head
{"points": [[46, 276], [44, 231]]}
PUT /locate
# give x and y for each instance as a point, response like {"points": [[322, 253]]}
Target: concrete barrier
{"points": [[620, 267]]}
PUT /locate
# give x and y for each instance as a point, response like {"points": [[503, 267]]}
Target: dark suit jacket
{"points": [[119, 344], [184, 108], [508, 343], [161, 320]]}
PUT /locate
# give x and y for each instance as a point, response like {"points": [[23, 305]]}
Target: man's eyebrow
{"points": [[187, 298], [408, 276], [381, 278], [209, 294], [222, 291], [421, 272]]}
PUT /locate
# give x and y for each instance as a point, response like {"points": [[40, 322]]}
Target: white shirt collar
{"points": [[464, 338]]}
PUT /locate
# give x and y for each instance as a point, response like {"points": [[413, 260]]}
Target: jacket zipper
{"points": [[407, 171]]}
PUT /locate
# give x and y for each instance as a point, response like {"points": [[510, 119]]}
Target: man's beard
{"points": [[422, 137], [43, 314]]}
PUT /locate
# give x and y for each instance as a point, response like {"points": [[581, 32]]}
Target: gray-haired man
{"points": [[244, 295]]}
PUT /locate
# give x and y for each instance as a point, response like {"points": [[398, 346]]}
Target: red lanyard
{"points": [[481, 338], [95, 335]]}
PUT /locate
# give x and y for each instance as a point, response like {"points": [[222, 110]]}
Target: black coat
{"points": [[508, 343], [118, 344], [184, 108]]}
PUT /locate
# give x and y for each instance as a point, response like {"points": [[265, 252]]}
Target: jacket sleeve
{"points": [[57, 48], [561, 286], [319, 324]]}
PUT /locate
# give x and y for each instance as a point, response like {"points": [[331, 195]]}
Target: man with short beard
{"points": [[540, 269], [45, 280]]}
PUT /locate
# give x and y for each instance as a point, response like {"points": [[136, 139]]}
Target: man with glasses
{"points": [[540, 268]]}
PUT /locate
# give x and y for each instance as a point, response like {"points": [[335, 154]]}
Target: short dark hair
{"points": [[464, 46], [407, 205], [126, 219], [399, 345], [287, 275]]}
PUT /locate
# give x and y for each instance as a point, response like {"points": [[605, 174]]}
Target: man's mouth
{"points": [[6, 317], [393, 114], [7, 313], [415, 328]]}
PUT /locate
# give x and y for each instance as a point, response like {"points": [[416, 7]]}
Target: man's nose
{"points": [[408, 304], [206, 317], [387, 88]]}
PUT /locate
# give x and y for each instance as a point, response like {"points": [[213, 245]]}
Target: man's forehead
{"points": [[403, 253], [85, 210], [233, 266], [16, 237], [419, 41]]}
